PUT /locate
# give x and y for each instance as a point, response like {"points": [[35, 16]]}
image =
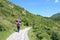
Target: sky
{"points": [[45, 8]]}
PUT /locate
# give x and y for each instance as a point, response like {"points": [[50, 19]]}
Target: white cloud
{"points": [[56, 1]]}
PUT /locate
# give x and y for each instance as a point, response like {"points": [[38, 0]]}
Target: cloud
{"points": [[56, 1]]}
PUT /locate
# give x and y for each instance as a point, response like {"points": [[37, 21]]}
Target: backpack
{"points": [[18, 22]]}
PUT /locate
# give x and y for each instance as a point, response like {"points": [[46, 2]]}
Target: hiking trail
{"points": [[22, 35]]}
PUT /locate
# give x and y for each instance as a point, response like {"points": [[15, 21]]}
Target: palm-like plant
{"points": [[1, 5]]}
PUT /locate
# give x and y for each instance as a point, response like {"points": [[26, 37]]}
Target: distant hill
{"points": [[42, 28], [56, 17]]}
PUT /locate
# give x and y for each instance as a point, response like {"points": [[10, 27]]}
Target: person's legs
{"points": [[18, 28]]}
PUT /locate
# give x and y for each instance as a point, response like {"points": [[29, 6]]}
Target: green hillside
{"points": [[42, 28], [56, 17], [8, 14], [45, 29]]}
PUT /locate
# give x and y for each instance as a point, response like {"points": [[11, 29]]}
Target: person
{"points": [[18, 23]]}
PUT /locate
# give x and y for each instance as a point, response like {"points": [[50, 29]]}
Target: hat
{"points": [[18, 20]]}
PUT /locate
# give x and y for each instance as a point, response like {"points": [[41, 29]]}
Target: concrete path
{"points": [[22, 35]]}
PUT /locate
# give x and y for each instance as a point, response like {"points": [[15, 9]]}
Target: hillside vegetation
{"points": [[9, 13], [42, 28], [56, 17], [45, 29]]}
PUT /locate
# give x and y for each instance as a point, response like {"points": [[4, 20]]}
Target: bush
{"points": [[1, 5]]}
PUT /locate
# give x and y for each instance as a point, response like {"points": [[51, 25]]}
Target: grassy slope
{"points": [[45, 29], [8, 16]]}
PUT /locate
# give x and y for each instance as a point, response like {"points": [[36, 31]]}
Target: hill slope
{"points": [[45, 29], [8, 14], [56, 17], [42, 28]]}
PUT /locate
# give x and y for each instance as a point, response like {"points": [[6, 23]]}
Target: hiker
{"points": [[18, 23]]}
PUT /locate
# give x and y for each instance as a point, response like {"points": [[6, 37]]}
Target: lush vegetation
{"points": [[9, 13], [45, 29], [42, 28]]}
